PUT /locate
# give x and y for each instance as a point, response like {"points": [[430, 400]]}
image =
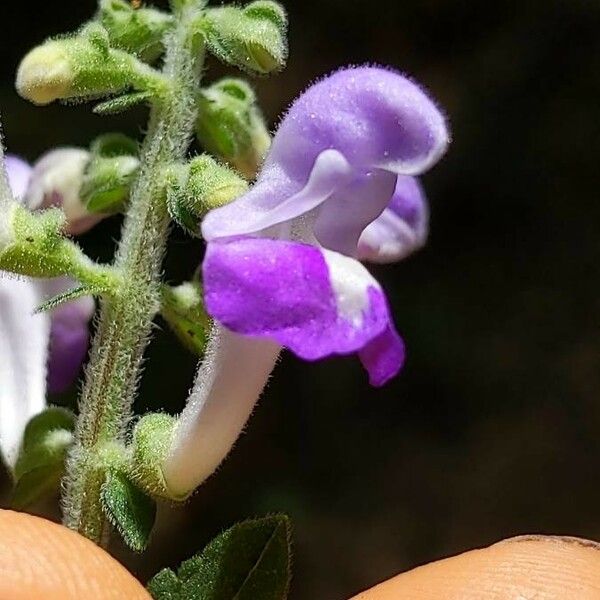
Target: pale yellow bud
{"points": [[45, 74]]}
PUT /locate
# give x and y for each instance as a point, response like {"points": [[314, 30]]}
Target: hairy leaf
{"points": [[130, 510], [121, 103], [249, 561]]}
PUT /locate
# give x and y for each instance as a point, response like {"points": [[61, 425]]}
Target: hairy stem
{"points": [[125, 320]]}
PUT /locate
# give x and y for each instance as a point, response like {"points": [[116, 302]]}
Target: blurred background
{"points": [[492, 429]]}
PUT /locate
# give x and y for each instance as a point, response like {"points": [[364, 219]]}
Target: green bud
{"points": [[182, 307], [139, 31], [74, 67], [200, 186], [151, 443], [252, 38], [34, 244], [40, 464], [231, 126], [46, 436], [108, 177]]}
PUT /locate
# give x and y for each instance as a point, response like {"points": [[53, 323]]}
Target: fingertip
{"points": [[549, 567], [40, 559]]}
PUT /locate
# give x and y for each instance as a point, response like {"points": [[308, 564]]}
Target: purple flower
{"points": [[38, 350], [19, 173], [336, 186], [282, 262]]}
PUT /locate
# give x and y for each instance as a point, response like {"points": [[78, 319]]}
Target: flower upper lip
{"points": [[364, 121]]}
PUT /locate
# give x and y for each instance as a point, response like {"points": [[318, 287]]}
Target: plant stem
{"points": [[125, 321]]}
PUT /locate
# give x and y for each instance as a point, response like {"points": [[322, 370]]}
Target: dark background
{"points": [[492, 429]]}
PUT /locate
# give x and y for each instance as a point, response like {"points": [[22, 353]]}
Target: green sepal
{"points": [[179, 204], [252, 38], [36, 246], [136, 30], [110, 172], [200, 186], [129, 509], [182, 307], [267, 11], [41, 461], [249, 561], [230, 125], [120, 104], [150, 445]]}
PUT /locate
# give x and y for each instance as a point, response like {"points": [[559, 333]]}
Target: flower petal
{"points": [[56, 180], [383, 356], [334, 160], [69, 335], [24, 350], [342, 218], [18, 172], [315, 302], [375, 117], [276, 199], [402, 227]]}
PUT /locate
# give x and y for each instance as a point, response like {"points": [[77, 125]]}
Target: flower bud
{"points": [[73, 67], [110, 172], [231, 126], [182, 307], [252, 38], [33, 244], [137, 30], [198, 187], [151, 442], [55, 181]]}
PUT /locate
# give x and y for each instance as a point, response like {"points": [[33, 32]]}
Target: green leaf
{"points": [[250, 561], [121, 103], [35, 485], [165, 585], [78, 292], [128, 509], [40, 465]]}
